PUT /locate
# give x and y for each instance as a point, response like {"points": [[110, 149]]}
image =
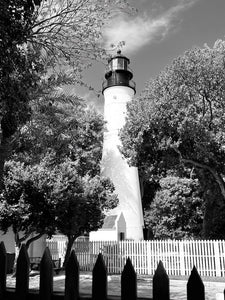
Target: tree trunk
{"points": [[214, 214], [32, 239], [5, 151], [71, 239], [17, 250]]}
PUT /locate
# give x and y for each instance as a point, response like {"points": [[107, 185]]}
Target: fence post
{"points": [[161, 283], [182, 265], [149, 257], [217, 258], [72, 278], [3, 270], [46, 276], [99, 280], [22, 274], [128, 282], [195, 286]]}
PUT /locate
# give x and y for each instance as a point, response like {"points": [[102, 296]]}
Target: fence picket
{"points": [[3, 270], [198, 256], [128, 282], [72, 278], [210, 254], [204, 257], [46, 276], [161, 283], [207, 258], [181, 251], [222, 257], [217, 261], [195, 286], [22, 274], [99, 280]]}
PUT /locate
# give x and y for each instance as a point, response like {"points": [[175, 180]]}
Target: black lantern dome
{"points": [[118, 73]]}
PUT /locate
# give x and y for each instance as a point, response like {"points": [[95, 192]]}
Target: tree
{"points": [[45, 199], [177, 209], [81, 202], [53, 182], [179, 121], [45, 44], [18, 71], [25, 204], [70, 33]]}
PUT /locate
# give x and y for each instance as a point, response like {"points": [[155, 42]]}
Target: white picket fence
{"points": [[57, 246], [178, 257]]}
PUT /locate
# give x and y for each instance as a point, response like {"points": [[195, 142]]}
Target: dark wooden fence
{"points": [[195, 286]]}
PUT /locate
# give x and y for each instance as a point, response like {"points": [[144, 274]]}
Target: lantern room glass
{"points": [[118, 64]]}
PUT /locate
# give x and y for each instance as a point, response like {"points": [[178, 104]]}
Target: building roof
{"points": [[109, 222]]}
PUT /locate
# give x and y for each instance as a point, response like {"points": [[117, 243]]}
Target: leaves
{"points": [[177, 209], [63, 130], [70, 34], [181, 114], [24, 200], [54, 181], [44, 45], [178, 123]]}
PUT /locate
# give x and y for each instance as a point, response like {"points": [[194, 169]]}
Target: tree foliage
{"points": [[177, 209], [179, 121], [82, 202], [53, 183], [25, 204], [62, 128], [45, 44], [69, 33], [18, 71]]}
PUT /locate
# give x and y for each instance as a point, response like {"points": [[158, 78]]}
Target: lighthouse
{"points": [[118, 89]]}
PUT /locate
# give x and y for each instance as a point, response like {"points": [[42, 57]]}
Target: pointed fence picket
{"points": [[161, 283], [22, 274], [46, 276], [72, 278], [195, 286], [3, 270], [128, 282], [99, 281]]}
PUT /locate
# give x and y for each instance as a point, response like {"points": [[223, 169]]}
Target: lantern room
{"points": [[118, 73]]}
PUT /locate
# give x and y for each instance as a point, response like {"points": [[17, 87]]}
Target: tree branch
{"points": [[34, 238], [214, 173], [23, 238]]}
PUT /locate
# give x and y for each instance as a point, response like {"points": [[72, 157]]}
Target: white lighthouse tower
{"points": [[118, 90]]}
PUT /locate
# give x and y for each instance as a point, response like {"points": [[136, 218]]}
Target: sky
{"points": [[160, 31]]}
